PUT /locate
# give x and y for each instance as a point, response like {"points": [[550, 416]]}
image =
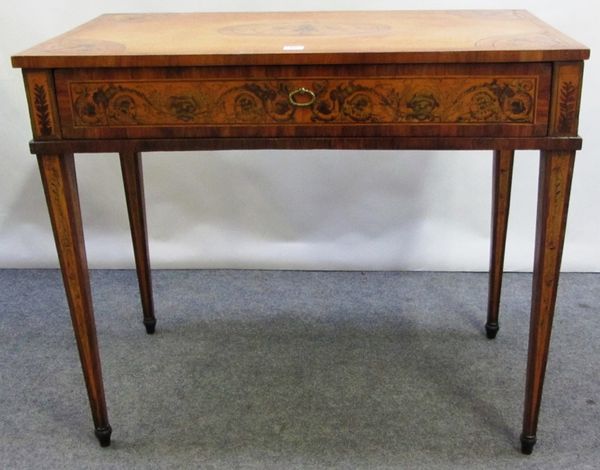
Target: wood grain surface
{"points": [[342, 100], [556, 174], [41, 97], [60, 187], [499, 80], [501, 189], [185, 39], [133, 183], [306, 143]]}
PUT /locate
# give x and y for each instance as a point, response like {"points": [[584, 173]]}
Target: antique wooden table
{"points": [[127, 83]]}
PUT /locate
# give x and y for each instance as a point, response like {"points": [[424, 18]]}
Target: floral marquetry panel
{"points": [[404, 103], [445, 100]]}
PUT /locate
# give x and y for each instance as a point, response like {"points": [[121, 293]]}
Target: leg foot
{"points": [[502, 180], [491, 330], [131, 166], [150, 325], [60, 186], [103, 435], [556, 169], [527, 443]]}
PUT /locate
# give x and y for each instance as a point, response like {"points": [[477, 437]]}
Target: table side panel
{"points": [[359, 101]]}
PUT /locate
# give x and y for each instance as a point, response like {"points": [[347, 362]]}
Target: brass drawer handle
{"points": [[302, 91]]}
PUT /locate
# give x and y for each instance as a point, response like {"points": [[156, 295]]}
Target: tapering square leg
{"points": [[556, 170], [131, 167], [60, 187], [502, 181]]}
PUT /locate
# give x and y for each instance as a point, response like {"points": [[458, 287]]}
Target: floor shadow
{"points": [[283, 384]]}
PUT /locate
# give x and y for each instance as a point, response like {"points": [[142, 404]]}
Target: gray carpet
{"points": [[285, 370]]}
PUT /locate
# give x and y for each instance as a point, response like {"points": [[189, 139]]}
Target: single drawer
{"points": [[290, 101]]}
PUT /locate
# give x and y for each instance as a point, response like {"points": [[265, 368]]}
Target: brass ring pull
{"points": [[302, 91]]}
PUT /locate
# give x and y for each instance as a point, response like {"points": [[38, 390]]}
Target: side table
{"points": [[454, 80]]}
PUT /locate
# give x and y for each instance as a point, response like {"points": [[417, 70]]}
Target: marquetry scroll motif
{"points": [[42, 105], [266, 102], [135, 104], [497, 101], [566, 96], [459, 100]]}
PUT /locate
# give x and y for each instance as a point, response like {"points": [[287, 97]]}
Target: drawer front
{"points": [[305, 101]]}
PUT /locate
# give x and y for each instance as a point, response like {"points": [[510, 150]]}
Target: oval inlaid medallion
{"points": [[306, 29]]}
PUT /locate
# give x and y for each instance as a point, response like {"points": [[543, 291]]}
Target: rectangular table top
{"points": [[194, 39]]}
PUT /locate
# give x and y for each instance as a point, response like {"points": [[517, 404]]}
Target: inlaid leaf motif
{"points": [[567, 107], [42, 109]]}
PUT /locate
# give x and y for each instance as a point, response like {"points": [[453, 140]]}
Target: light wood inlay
{"points": [[556, 173], [39, 87], [459, 100], [60, 187], [492, 79], [133, 181], [501, 189], [304, 37], [567, 81], [348, 100]]}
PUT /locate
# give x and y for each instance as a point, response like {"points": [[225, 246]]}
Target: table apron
{"points": [[388, 100], [398, 143]]}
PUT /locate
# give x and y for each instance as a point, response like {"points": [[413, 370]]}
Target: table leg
{"points": [[60, 188], [131, 167], [502, 179], [556, 170]]}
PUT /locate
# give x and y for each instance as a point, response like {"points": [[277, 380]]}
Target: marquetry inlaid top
{"points": [[187, 39]]}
